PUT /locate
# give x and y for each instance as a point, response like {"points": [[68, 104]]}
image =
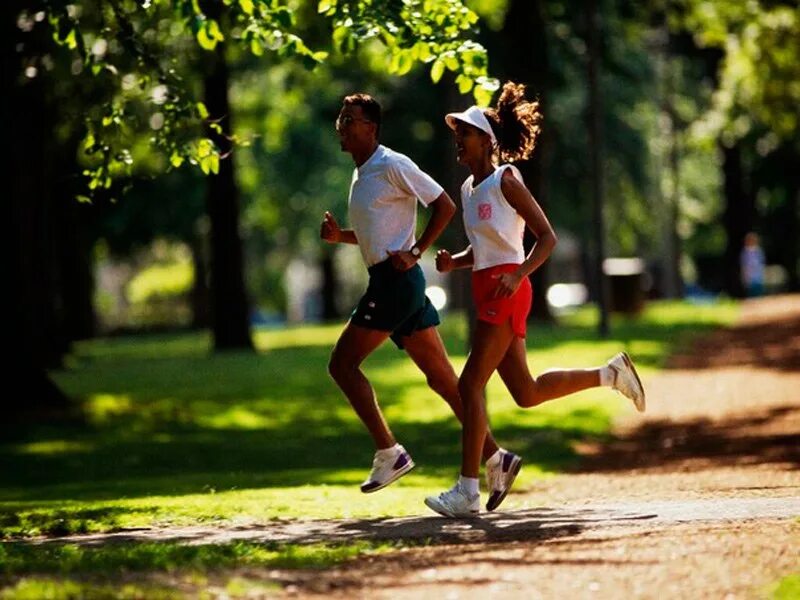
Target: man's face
{"points": [[355, 131]]}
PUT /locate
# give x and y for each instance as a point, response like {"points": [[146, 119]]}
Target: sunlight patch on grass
{"points": [[297, 336], [40, 588], [101, 408], [236, 417], [54, 447], [18, 558]]}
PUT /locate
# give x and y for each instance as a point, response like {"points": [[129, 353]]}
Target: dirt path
{"points": [[698, 499], [717, 452]]}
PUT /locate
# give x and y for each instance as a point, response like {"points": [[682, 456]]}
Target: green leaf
{"points": [[202, 110], [247, 6], [206, 42], [176, 160], [341, 38], [437, 70], [255, 47], [483, 97], [423, 51], [464, 83], [214, 30], [405, 63], [70, 40], [324, 6]]}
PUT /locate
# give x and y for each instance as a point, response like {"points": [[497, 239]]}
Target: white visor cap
{"points": [[474, 116]]}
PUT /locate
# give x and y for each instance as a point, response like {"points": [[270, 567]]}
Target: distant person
{"points": [[496, 209], [384, 192], [752, 263]]}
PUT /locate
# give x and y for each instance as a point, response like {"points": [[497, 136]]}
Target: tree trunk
{"points": [[229, 305], [329, 285], [738, 218], [526, 61], [596, 162], [199, 294], [29, 288], [74, 258]]}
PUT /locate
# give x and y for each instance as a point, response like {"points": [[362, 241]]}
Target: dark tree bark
{"points": [[526, 61], [738, 218], [199, 295], [229, 304], [329, 285], [594, 112], [30, 287]]}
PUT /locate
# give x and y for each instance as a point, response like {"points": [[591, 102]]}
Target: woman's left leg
{"points": [[528, 391]]}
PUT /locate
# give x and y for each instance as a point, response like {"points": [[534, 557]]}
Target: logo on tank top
{"points": [[484, 212]]}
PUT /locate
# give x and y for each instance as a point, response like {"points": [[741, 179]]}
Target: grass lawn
{"points": [[174, 435]]}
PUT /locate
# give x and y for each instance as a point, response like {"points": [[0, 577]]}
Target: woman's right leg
{"points": [[528, 391], [489, 346]]}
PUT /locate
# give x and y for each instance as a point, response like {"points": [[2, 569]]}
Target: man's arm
{"points": [[443, 210], [333, 234]]}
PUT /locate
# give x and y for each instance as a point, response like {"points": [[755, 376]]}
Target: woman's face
{"points": [[472, 144]]}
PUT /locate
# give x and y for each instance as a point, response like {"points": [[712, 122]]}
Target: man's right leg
{"points": [[391, 460], [354, 346]]}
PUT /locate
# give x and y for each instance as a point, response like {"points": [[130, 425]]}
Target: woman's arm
{"points": [[521, 200]]}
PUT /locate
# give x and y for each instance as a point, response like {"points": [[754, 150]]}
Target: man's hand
{"points": [[444, 261], [403, 260], [330, 230]]}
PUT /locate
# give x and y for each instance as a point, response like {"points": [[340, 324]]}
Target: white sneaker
{"points": [[455, 503], [500, 476], [386, 469], [626, 380]]}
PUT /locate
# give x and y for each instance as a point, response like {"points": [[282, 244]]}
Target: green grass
{"points": [[68, 559], [174, 435], [787, 588]]}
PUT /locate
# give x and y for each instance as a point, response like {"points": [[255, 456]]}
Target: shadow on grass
{"points": [[59, 522], [760, 438], [191, 460]]}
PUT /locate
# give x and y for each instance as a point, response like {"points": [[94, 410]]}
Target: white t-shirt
{"points": [[383, 203], [493, 227]]}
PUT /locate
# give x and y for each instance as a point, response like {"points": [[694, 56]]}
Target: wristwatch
{"points": [[416, 252]]}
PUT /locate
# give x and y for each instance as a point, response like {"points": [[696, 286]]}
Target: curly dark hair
{"points": [[516, 123]]}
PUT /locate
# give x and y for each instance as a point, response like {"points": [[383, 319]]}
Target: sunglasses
{"points": [[345, 120]]}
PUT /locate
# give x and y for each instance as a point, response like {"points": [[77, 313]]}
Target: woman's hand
{"points": [[507, 284], [444, 261]]}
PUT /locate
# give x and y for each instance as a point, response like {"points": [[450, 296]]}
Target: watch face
{"points": [[415, 251]]}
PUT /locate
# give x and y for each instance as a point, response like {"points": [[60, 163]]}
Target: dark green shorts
{"points": [[395, 301]]}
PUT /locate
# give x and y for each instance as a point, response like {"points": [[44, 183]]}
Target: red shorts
{"points": [[499, 310]]}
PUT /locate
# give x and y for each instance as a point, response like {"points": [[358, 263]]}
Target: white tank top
{"points": [[493, 227]]}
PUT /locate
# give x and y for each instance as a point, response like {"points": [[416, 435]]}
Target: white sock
{"points": [[468, 484], [389, 452], [495, 458], [607, 376]]}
